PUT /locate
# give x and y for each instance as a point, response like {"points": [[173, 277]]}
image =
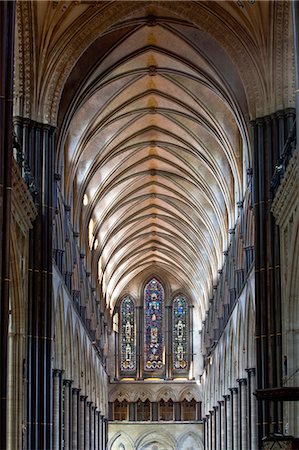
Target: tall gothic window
{"points": [[127, 336], [153, 326], [180, 329]]}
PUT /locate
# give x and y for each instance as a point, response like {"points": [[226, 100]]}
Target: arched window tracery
{"points": [[180, 333], [153, 326], [128, 336], [155, 338]]}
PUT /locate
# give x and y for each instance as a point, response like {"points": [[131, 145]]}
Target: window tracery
{"points": [[128, 346], [180, 342], [153, 326]]}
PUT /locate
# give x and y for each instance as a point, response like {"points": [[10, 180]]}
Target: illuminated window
{"points": [[153, 326], [180, 342], [127, 336], [85, 200], [90, 232]]}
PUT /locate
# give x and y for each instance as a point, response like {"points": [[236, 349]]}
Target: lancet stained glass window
{"points": [[153, 326], [180, 346], [128, 346]]}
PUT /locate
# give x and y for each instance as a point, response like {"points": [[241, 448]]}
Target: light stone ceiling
{"points": [[153, 132]]}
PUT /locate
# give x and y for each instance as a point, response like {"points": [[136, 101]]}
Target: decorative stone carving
{"points": [[23, 207]]}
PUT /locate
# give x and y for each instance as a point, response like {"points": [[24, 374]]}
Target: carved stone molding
{"points": [[286, 198], [23, 207]]}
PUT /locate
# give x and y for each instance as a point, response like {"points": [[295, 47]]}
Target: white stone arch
{"points": [[84, 367], [238, 344], [226, 361], [69, 347], [77, 357], [143, 395], [190, 441], [120, 394], [189, 393], [250, 332], [148, 439], [121, 439], [92, 387], [59, 333], [231, 367], [166, 393]]}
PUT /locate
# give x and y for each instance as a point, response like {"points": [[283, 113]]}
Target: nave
{"points": [[149, 219]]}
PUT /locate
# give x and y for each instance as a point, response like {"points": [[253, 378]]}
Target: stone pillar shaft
{"points": [[243, 414], [82, 415], [7, 17], [87, 425], [75, 416], [67, 407], [235, 420], [57, 416], [222, 425]]}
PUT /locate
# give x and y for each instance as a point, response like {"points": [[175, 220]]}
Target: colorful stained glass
{"points": [[153, 326], [180, 346], [127, 337]]}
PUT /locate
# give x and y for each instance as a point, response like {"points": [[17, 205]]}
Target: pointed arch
{"points": [[127, 335], [154, 358], [180, 341]]}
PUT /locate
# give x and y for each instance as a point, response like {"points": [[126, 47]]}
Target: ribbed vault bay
{"points": [[155, 152]]}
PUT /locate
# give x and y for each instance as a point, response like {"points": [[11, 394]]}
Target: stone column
{"points": [[82, 415], [7, 32], [212, 429], [75, 416], [222, 425], [87, 425], [252, 407], [208, 435], [67, 403], [92, 427], [96, 430], [57, 419], [235, 422], [217, 427], [101, 429], [106, 432], [132, 408], [228, 422], [243, 414]]}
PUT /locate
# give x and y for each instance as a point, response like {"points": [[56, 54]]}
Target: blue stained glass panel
{"points": [[127, 338], [180, 344], [153, 326]]}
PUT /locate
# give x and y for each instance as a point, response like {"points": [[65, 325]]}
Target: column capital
{"points": [[211, 412], [89, 403], [57, 372], [76, 391], [216, 408], [242, 381], [226, 397], [221, 403], [233, 390], [67, 382], [83, 398], [250, 371]]}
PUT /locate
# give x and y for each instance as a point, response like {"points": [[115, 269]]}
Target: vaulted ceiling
{"points": [[153, 130]]}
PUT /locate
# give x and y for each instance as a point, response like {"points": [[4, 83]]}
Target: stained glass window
{"points": [[180, 347], [153, 326], [127, 343]]}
